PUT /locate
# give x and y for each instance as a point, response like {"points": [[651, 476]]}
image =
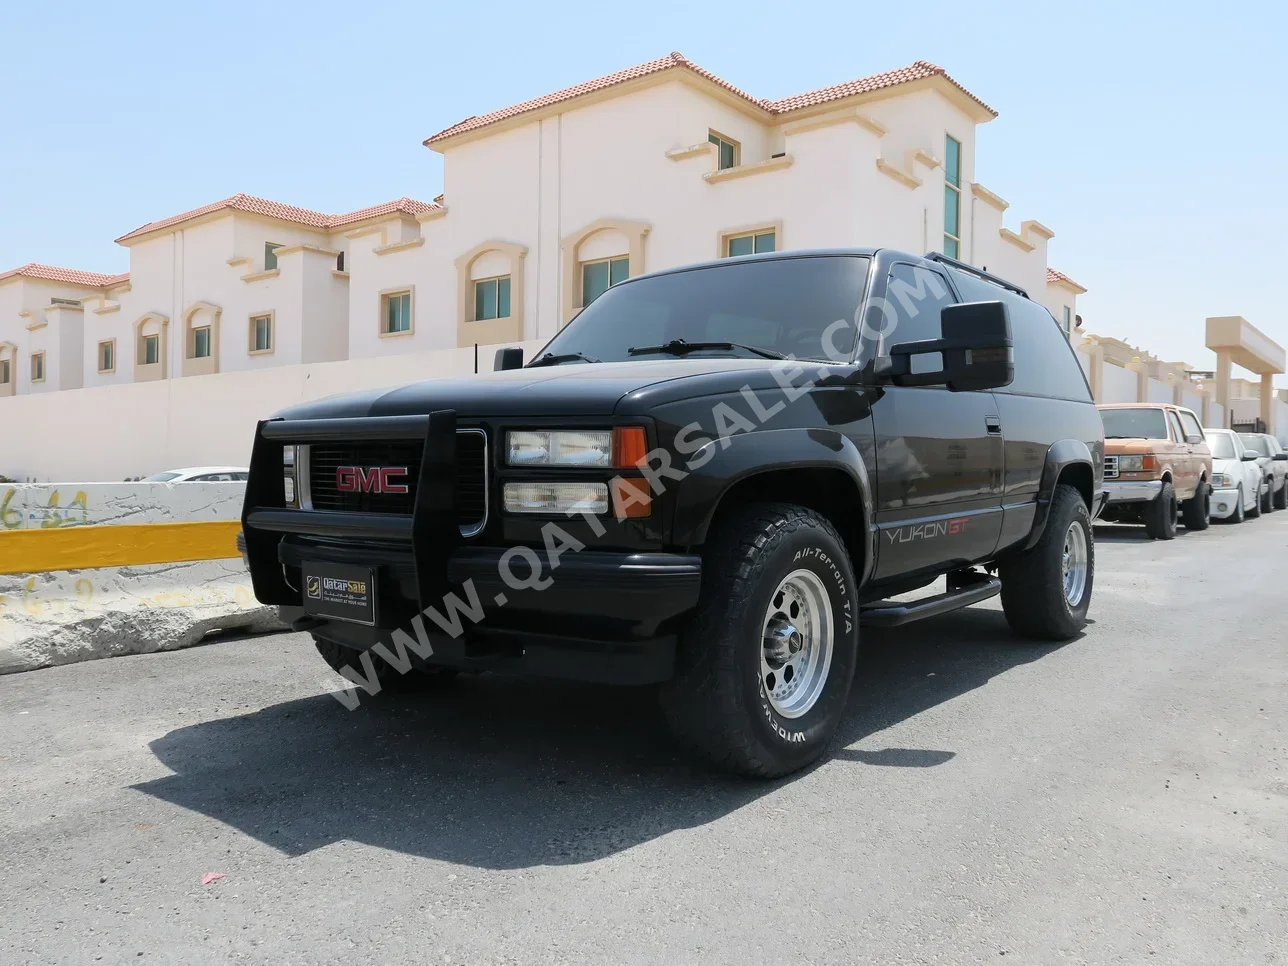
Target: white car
{"points": [[200, 474], [1237, 480]]}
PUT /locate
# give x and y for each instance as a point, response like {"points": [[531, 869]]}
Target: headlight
{"points": [[1131, 464], [288, 472], [1222, 481], [564, 447], [556, 497]]}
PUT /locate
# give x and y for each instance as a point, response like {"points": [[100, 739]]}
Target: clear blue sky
{"points": [[1152, 137]]}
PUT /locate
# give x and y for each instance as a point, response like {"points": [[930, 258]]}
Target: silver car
{"points": [[1273, 462]]}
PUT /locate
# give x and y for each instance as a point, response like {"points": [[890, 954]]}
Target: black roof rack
{"points": [[977, 272]]}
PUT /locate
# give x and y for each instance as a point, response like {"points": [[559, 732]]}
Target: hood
{"points": [[1130, 447], [1229, 467], [571, 389]]}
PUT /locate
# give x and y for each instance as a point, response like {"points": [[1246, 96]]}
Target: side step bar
{"points": [[883, 613]]}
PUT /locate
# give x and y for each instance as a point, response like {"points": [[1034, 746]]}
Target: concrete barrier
{"points": [[100, 569]]}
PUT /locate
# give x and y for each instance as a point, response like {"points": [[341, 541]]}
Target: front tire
{"points": [[1281, 498], [1197, 510], [764, 666], [1046, 590], [1268, 501], [1160, 514], [1237, 515]]}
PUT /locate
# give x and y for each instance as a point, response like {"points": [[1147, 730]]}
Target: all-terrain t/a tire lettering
{"points": [[718, 705]]}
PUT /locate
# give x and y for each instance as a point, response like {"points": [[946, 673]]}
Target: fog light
{"points": [[1221, 507], [556, 497]]}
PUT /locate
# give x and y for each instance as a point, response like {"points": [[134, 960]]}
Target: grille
{"points": [[1111, 467], [471, 477]]}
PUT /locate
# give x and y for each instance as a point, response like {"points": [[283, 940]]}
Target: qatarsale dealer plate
{"points": [[340, 592]]}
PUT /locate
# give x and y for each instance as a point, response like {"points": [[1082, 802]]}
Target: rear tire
{"points": [[1254, 511], [338, 656], [1038, 596], [1160, 515], [777, 590], [1197, 510], [1268, 501], [1237, 516], [1281, 498]]}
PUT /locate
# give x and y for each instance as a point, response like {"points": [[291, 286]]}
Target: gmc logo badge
{"points": [[371, 479]]}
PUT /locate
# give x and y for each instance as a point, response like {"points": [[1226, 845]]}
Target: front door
{"points": [[939, 454]]}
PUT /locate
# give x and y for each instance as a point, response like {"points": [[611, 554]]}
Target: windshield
{"points": [[1255, 442], [782, 305], [1134, 423], [160, 477], [1222, 446]]}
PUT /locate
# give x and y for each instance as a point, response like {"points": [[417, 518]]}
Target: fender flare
{"points": [[727, 461], [1060, 455]]}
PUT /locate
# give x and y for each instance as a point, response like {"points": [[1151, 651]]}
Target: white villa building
{"points": [[546, 203]]}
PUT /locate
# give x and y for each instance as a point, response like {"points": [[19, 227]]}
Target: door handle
{"points": [[994, 425]]}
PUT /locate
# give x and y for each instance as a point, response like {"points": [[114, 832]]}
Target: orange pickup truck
{"points": [[1156, 461]]}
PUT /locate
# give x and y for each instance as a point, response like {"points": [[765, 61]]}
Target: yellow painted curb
{"points": [[124, 545]]}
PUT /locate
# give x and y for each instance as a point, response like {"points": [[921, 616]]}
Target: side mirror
{"points": [[975, 349], [509, 358], [1193, 440], [1250, 454], [1280, 457]]}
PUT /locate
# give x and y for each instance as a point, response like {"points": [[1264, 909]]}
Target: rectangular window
{"points": [[64, 302], [201, 342], [596, 277], [37, 367], [4, 372], [397, 313], [1067, 321], [754, 243], [492, 298], [151, 350], [952, 198], [728, 151], [261, 333], [270, 255], [107, 356]]}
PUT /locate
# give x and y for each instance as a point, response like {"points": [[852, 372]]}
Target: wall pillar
{"points": [[1268, 402], [1095, 364], [1223, 380], [1142, 378]]}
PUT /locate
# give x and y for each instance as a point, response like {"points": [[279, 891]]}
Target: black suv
{"points": [[708, 480]]}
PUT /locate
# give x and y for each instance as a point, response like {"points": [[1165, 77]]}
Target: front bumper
{"points": [[592, 615], [1133, 491], [1224, 503]]}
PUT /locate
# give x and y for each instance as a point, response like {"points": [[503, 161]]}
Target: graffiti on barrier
{"points": [[51, 516]]}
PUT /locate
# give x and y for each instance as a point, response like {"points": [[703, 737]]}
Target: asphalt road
{"points": [[1119, 799]]}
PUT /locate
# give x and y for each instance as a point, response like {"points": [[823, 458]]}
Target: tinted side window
{"points": [[915, 296], [1045, 363], [1191, 425]]}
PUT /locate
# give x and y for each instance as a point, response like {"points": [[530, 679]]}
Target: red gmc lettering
{"points": [[371, 479]]}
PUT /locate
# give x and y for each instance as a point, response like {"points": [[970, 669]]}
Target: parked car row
{"points": [[1162, 467]]}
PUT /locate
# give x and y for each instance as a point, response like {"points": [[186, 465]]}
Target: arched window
{"points": [[151, 347], [601, 254], [201, 339], [490, 294]]}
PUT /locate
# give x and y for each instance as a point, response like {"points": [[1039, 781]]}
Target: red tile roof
{"points": [[1053, 276], [72, 276], [904, 75], [275, 209]]}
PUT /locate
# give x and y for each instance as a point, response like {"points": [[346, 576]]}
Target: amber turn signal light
{"points": [[629, 446], [632, 498]]}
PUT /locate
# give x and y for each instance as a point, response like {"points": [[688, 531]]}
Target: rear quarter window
{"points": [[1045, 363]]}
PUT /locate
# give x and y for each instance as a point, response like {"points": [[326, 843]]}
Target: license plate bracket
{"points": [[339, 592]]}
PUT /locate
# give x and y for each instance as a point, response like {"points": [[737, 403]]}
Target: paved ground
{"points": [[1120, 799]]}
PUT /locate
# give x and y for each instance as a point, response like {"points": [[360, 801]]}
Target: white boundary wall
{"points": [[114, 433]]}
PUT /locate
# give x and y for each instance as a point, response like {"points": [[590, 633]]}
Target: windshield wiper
{"points": [[553, 359], [679, 347]]}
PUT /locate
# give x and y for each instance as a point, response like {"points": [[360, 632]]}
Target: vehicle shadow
{"points": [[501, 773]]}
